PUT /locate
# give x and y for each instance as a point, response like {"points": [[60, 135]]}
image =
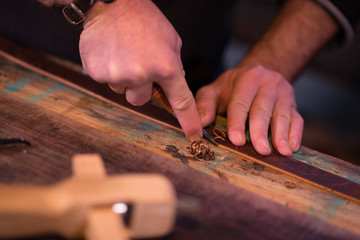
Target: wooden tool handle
{"points": [[28, 210], [159, 96], [62, 208]]}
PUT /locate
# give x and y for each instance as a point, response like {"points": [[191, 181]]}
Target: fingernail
{"points": [[202, 115], [195, 137], [236, 138], [240, 139], [287, 150], [263, 146], [294, 145]]}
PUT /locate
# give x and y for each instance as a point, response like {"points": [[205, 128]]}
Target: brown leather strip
{"points": [[288, 165]]}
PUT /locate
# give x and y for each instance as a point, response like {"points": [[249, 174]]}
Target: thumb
{"points": [[206, 104]]}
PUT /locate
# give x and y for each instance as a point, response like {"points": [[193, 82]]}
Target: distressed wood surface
{"points": [[308, 173], [215, 209], [42, 64], [161, 140]]}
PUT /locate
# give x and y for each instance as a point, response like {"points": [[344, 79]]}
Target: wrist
{"points": [[107, 13], [262, 56], [76, 11]]}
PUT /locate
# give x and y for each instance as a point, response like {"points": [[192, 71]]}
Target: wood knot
{"points": [[290, 184]]}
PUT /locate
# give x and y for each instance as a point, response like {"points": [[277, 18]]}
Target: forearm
{"points": [[301, 28]]}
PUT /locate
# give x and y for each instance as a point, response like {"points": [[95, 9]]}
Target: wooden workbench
{"points": [[232, 197]]}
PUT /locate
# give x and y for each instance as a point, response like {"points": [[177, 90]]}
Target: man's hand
{"points": [[263, 97], [130, 45]]}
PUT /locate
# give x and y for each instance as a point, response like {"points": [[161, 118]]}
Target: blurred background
{"points": [[327, 92]]}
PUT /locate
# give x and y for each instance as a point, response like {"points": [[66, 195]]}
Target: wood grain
{"points": [[237, 169], [220, 210], [306, 172], [337, 184]]}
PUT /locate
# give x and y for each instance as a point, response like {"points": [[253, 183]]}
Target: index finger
{"points": [[183, 104]]}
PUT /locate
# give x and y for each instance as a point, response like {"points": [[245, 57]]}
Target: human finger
{"points": [[280, 125], [206, 102], [296, 130], [139, 95], [259, 119], [239, 105], [183, 104]]}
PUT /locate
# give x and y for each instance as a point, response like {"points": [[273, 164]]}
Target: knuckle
{"points": [[135, 73], [280, 81], [167, 70], [183, 103], [240, 105], [298, 118], [255, 71], [281, 116], [260, 108], [277, 79], [178, 42]]}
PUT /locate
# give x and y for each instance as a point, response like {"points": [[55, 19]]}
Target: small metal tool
{"points": [[159, 96], [14, 140], [209, 138]]}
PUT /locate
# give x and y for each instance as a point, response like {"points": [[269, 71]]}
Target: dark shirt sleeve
{"points": [[346, 13]]}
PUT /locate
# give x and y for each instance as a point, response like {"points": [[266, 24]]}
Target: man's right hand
{"points": [[129, 44]]}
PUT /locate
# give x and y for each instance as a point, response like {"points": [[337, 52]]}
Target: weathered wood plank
{"points": [[164, 141], [220, 210], [40, 63], [230, 167]]}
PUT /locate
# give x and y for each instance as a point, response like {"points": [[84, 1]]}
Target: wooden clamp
{"points": [[90, 204]]}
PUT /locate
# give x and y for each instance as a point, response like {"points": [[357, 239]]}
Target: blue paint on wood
{"points": [[18, 85], [54, 88]]}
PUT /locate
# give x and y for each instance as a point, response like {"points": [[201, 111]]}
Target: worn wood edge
{"points": [[348, 166], [39, 70]]}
